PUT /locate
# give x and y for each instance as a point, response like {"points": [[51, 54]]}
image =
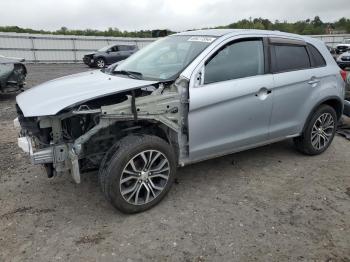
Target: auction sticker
{"points": [[201, 39]]}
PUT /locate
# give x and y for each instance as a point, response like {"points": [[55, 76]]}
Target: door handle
{"points": [[263, 93], [313, 81]]}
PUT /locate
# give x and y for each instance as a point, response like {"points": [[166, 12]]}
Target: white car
{"points": [[343, 47], [343, 60]]}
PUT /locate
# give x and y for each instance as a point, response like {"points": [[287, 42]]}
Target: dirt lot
{"points": [[266, 204]]}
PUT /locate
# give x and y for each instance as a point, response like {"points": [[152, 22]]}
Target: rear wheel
{"points": [[137, 173], [319, 131]]}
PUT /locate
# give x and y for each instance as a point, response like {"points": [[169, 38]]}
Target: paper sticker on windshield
{"points": [[203, 39]]}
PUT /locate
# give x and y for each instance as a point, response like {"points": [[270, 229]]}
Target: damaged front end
{"points": [[77, 138], [12, 75]]}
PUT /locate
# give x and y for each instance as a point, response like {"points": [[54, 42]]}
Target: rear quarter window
{"points": [[291, 58], [317, 59]]}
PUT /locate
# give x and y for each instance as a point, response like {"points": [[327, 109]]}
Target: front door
{"points": [[231, 110], [113, 55]]}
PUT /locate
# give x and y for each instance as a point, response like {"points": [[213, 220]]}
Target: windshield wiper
{"points": [[132, 74]]}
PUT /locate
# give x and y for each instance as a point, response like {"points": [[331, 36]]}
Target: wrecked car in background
{"points": [[182, 99], [12, 74]]}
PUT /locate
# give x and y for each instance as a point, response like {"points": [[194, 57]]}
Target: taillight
{"points": [[343, 74]]}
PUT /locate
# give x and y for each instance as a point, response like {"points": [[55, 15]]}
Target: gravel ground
{"points": [[266, 204]]}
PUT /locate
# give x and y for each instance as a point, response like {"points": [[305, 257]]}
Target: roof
{"points": [[211, 32], [232, 32]]}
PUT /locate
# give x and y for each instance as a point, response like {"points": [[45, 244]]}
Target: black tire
{"points": [[100, 62], [303, 143], [117, 159]]}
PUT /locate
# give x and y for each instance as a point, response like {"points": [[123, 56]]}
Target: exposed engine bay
{"points": [[76, 139]]}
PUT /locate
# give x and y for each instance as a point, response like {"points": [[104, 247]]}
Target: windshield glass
{"points": [[347, 41], [166, 58], [105, 48]]}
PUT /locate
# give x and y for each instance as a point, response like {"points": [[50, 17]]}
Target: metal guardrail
{"points": [[39, 48]]}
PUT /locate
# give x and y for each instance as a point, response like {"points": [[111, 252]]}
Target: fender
{"points": [[339, 110]]}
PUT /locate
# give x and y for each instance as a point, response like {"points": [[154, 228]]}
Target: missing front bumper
{"points": [[42, 156], [60, 156]]}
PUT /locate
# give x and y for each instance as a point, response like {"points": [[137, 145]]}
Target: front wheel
{"points": [[100, 62], [319, 131], [137, 173]]}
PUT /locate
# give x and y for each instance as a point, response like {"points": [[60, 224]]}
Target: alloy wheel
{"points": [[100, 63], [144, 177], [322, 131]]}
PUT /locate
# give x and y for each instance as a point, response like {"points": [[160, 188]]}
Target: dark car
{"points": [[12, 74], [109, 55]]}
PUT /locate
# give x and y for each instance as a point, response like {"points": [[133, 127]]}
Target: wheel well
{"points": [[336, 104], [332, 102], [101, 141], [155, 130]]}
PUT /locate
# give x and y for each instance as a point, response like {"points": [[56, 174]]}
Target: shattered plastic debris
{"points": [[344, 128]]}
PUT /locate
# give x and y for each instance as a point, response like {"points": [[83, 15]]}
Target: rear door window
{"points": [[125, 48], [290, 58]]}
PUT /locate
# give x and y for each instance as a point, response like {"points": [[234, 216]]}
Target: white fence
{"points": [[332, 40], [38, 48]]}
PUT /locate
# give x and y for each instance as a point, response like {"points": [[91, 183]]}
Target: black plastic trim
{"points": [[286, 41]]}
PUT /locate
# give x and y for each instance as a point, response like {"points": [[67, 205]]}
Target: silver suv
{"points": [[182, 99]]}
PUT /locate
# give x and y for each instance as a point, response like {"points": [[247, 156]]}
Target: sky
{"points": [[176, 15]]}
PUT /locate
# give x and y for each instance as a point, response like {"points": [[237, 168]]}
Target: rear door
{"points": [[297, 82], [125, 51]]}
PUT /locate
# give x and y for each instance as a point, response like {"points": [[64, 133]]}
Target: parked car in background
{"points": [[333, 51], [345, 46], [347, 87], [182, 99], [109, 55], [343, 60], [12, 74]]}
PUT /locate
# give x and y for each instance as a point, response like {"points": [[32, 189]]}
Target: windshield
{"points": [[105, 48], [166, 58], [347, 41]]}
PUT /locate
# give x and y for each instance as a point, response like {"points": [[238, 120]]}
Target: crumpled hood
{"points": [[51, 97], [90, 54]]}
